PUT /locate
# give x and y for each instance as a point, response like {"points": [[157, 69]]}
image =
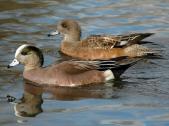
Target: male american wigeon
{"points": [[99, 46], [67, 73]]}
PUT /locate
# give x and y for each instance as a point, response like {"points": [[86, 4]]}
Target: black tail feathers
{"points": [[124, 65], [118, 67]]}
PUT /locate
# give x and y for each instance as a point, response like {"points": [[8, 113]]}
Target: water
{"points": [[139, 99]]}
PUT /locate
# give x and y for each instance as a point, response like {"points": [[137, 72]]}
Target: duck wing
{"points": [[110, 41]]}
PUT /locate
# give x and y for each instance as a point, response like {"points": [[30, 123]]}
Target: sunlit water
{"points": [[140, 98]]}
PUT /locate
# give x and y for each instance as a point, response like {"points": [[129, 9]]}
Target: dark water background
{"points": [[141, 98]]}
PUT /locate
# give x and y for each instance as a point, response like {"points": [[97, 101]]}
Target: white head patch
{"points": [[20, 48]]}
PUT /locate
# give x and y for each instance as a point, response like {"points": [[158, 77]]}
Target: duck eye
{"points": [[64, 25], [24, 53]]}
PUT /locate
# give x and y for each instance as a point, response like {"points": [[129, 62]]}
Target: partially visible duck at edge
{"points": [[68, 73], [99, 46]]}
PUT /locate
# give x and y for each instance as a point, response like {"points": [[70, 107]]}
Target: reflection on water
{"points": [[142, 96], [31, 102]]}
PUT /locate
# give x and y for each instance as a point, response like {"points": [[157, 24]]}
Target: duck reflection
{"points": [[30, 104]]}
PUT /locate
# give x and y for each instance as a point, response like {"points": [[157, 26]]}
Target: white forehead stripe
{"points": [[20, 48]]}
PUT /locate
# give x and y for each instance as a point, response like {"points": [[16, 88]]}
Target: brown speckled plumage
{"points": [[99, 46]]}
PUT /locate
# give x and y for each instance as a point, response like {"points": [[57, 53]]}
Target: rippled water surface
{"points": [[141, 98]]}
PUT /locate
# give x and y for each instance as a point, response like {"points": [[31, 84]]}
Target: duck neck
{"points": [[72, 37], [31, 67], [33, 63]]}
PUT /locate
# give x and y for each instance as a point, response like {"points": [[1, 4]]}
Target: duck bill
{"points": [[13, 63], [53, 33]]}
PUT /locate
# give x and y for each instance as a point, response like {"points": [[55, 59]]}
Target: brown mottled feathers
{"points": [[110, 41], [100, 46]]}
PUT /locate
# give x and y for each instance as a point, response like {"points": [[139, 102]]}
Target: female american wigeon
{"points": [[99, 46], [67, 73]]}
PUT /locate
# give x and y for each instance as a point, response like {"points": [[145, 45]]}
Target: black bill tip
{"points": [[49, 35]]}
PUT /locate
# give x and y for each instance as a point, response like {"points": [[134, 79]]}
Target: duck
{"points": [[99, 46], [70, 73]]}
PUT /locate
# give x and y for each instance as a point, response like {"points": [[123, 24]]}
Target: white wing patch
{"points": [[123, 43]]}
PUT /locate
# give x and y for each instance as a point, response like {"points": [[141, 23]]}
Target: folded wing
{"points": [[110, 41]]}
